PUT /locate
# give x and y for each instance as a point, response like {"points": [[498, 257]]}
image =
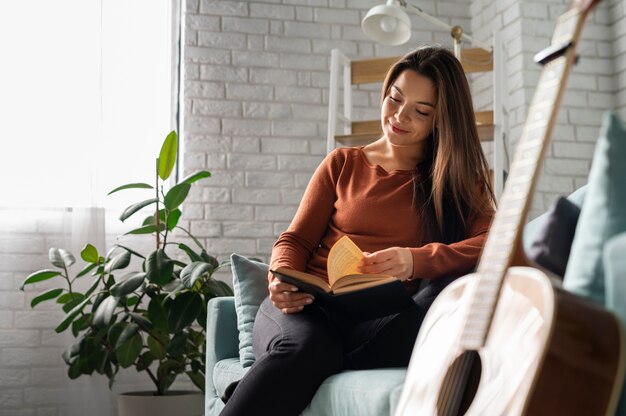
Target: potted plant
{"points": [[151, 317]]}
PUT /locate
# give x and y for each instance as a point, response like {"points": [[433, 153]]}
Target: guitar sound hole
{"points": [[459, 385]]}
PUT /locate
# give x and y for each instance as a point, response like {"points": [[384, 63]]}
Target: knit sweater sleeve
{"points": [[294, 246], [438, 260]]}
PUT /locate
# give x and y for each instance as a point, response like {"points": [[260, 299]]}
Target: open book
{"points": [[362, 296]]}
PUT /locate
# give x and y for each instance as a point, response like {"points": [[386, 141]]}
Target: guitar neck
{"points": [[506, 231]]}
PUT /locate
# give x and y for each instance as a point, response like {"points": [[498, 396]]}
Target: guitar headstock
{"points": [[585, 6]]}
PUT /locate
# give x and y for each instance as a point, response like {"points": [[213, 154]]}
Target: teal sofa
{"points": [[365, 392]]}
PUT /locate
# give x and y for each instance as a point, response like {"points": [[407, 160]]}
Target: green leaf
{"points": [[68, 306], [157, 314], [128, 332], [87, 269], [98, 300], [60, 258], [104, 366], [159, 267], [39, 276], [132, 185], [209, 259], [176, 195], [193, 256], [167, 371], [141, 320], [120, 261], [217, 288], [47, 295], [128, 284], [202, 319], [129, 351], [176, 348], [167, 156], [66, 297], [192, 272], [156, 347], [114, 332], [133, 252], [145, 360], [197, 379], [71, 352], [149, 220], [166, 381], [172, 219], [105, 311], [148, 229], [184, 310], [196, 176], [80, 324], [90, 254], [70, 316], [136, 207]]}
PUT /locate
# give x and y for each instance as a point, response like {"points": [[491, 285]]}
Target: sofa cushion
{"points": [[250, 288], [358, 393], [225, 372], [603, 213], [552, 243]]}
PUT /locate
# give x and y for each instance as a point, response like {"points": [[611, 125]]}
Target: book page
{"points": [[343, 259], [351, 283]]}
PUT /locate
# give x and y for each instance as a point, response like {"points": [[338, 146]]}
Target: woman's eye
{"points": [[395, 100], [421, 113]]}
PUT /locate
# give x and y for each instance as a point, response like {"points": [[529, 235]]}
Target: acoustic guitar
{"points": [[507, 339]]}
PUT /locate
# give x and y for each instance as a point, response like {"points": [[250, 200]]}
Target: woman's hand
{"points": [[394, 261], [287, 298]]}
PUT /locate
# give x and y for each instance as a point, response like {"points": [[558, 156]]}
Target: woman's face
{"points": [[408, 109]]}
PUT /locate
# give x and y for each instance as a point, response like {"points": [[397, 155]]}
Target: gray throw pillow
{"points": [[553, 240], [250, 288]]}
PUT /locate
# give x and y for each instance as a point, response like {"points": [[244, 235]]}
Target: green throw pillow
{"points": [[603, 213], [250, 287]]}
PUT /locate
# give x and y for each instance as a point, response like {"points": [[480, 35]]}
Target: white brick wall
{"points": [[257, 77], [255, 115]]}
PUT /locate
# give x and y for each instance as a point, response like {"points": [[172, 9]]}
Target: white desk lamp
{"points": [[390, 25]]}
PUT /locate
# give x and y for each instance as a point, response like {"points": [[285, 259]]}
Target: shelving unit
{"points": [[368, 71]]}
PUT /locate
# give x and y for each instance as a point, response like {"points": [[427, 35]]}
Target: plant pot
{"points": [[145, 403]]}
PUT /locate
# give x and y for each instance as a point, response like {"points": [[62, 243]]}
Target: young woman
{"points": [[417, 201]]}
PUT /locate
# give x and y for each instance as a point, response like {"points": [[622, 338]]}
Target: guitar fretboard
{"points": [[505, 233]]}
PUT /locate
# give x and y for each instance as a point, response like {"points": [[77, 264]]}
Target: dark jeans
{"points": [[295, 353]]}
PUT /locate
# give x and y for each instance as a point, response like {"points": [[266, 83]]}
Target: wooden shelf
{"points": [[368, 71]]}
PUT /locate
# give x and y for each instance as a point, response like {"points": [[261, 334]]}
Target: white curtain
{"points": [[85, 103]]}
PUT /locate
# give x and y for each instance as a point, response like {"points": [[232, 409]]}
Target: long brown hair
{"points": [[452, 181]]}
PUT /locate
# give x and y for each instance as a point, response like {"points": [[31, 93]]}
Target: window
{"points": [[85, 98]]}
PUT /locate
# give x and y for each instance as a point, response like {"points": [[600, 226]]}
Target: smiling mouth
{"points": [[397, 130]]}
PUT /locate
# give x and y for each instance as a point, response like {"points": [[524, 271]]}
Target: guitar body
{"points": [[547, 353]]}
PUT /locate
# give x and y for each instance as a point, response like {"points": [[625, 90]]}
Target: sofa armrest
{"points": [[614, 263], [222, 341], [221, 328]]}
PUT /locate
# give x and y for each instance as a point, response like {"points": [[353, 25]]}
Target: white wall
{"points": [[255, 115]]}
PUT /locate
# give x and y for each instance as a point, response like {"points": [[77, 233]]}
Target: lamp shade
{"points": [[387, 24]]}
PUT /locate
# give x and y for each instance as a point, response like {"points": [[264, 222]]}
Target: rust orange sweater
{"points": [[347, 195]]}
